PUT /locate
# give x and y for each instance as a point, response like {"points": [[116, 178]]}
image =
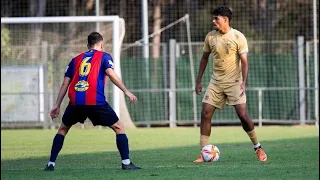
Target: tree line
{"points": [[257, 19]]}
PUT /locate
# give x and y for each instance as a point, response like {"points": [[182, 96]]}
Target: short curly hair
{"points": [[223, 11]]}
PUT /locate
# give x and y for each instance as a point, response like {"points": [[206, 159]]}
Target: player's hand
{"points": [[198, 88], [242, 88], [132, 97], [54, 113]]}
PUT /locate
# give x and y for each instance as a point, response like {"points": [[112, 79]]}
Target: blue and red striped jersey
{"points": [[88, 77]]}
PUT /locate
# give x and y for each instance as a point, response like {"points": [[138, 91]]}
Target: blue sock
{"points": [[56, 147], [123, 146]]}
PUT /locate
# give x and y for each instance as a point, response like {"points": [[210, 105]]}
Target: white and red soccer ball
{"points": [[210, 153]]}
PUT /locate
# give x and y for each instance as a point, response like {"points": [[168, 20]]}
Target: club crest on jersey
{"points": [[81, 86]]}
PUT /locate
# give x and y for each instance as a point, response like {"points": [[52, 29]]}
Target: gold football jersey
{"points": [[226, 50]]}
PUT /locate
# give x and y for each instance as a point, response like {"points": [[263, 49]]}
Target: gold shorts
{"points": [[220, 94]]}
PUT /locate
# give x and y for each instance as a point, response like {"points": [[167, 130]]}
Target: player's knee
{"points": [[63, 130], [118, 127], [205, 114], [242, 116]]}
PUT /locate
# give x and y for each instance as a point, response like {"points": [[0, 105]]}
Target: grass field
{"points": [[293, 153]]}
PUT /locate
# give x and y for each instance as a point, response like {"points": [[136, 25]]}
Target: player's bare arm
{"points": [[245, 70], [117, 81], [202, 68], [63, 90]]}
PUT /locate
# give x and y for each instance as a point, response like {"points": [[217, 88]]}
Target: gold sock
{"points": [[252, 135], [204, 140]]}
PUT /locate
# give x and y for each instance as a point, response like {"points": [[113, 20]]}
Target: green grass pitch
{"points": [[163, 153]]}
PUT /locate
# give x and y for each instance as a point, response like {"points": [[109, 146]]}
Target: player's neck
{"points": [[225, 30], [95, 49]]}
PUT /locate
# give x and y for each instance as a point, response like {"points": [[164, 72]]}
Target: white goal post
{"points": [[116, 41]]}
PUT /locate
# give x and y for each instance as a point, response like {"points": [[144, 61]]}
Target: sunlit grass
{"points": [[163, 153]]}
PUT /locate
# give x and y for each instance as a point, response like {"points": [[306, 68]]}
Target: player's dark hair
{"points": [[93, 39], [223, 11]]}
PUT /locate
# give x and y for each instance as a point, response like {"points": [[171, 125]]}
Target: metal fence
{"points": [[160, 56], [164, 86]]}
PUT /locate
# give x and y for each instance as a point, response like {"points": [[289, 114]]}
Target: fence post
{"points": [[316, 59], [50, 70], [165, 78], [172, 92], [301, 76], [44, 91], [308, 107], [260, 107]]}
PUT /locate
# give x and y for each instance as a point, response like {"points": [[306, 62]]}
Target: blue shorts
{"points": [[102, 115]]}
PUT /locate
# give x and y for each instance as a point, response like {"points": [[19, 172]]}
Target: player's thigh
{"points": [[102, 115], [234, 94], [73, 115], [214, 96]]}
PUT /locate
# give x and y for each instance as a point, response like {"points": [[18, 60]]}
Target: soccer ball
{"points": [[210, 153]]}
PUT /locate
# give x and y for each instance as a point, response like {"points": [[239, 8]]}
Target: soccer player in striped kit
{"points": [[85, 78]]}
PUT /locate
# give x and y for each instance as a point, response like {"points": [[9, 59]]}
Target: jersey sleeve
{"points": [[206, 46], [107, 61], [70, 69], [242, 44]]}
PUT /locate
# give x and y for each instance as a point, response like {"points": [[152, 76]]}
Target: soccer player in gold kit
{"points": [[229, 49]]}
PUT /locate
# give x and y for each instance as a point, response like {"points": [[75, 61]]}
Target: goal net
{"points": [[35, 52]]}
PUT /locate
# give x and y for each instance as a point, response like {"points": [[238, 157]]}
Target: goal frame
{"points": [[116, 44]]}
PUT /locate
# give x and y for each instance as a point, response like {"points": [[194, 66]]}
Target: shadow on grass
{"points": [[287, 159]]}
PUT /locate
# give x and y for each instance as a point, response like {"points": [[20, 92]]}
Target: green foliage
{"points": [[5, 42], [286, 19]]}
